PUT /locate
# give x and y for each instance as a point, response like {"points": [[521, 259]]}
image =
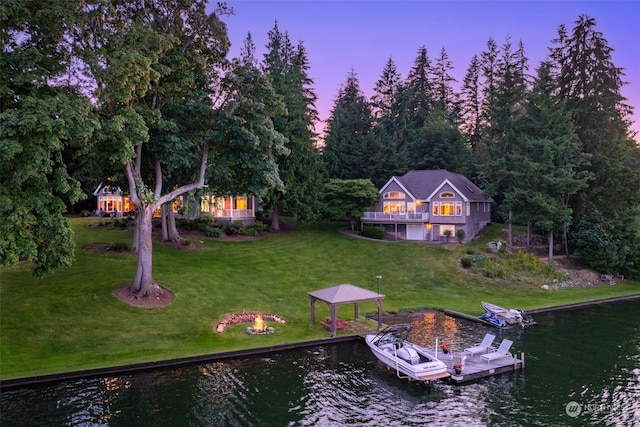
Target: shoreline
{"points": [[40, 380]]}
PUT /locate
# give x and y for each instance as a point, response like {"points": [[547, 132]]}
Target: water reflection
{"points": [[588, 356]]}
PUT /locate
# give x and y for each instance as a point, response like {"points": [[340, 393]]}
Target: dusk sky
{"points": [[362, 35]]}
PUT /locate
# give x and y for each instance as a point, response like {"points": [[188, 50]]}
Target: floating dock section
{"points": [[475, 367]]}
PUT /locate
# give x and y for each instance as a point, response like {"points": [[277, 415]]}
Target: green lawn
{"points": [[70, 320]]}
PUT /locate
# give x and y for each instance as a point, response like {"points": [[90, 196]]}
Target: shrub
{"points": [[372, 232], [447, 234], [235, 227], [119, 247], [460, 234], [85, 213], [250, 231], [213, 232], [466, 262], [186, 242]]}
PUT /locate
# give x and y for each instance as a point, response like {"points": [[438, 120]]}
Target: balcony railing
{"points": [[234, 213], [385, 216]]}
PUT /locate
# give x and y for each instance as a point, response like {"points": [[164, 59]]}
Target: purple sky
{"points": [[362, 35]]}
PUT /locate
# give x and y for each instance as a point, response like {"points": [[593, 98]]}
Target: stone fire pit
{"points": [[258, 320]]}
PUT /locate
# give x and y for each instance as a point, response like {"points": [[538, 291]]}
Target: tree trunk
{"points": [[551, 247], [528, 234], [510, 233], [143, 285], [172, 230], [163, 221], [275, 219], [136, 233]]}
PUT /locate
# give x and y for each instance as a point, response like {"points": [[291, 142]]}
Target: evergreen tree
{"points": [[389, 156], [471, 102], [504, 101], [419, 90], [590, 84], [444, 97], [548, 163], [302, 169], [346, 152]]}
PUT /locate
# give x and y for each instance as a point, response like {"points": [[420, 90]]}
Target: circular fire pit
{"points": [[259, 322]]}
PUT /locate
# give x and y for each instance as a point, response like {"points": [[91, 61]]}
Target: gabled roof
{"points": [[102, 185], [425, 184], [344, 294]]}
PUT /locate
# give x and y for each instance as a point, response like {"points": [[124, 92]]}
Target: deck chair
{"points": [[501, 352], [483, 347]]}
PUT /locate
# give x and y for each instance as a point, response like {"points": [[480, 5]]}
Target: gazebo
{"points": [[337, 296]]}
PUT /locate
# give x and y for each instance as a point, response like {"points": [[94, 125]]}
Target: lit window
{"points": [[394, 195]]}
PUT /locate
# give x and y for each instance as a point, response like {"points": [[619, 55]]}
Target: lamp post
{"points": [[378, 280]]}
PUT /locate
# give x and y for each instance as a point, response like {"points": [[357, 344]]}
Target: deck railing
{"points": [[385, 216]]}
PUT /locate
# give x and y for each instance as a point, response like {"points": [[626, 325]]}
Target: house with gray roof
{"points": [[424, 204]]}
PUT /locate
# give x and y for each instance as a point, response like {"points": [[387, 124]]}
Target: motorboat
{"points": [[493, 319], [392, 347], [510, 316]]}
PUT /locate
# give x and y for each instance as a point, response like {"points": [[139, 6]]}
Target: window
{"points": [[240, 202], [447, 208], [394, 195], [446, 195], [394, 207], [451, 228]]}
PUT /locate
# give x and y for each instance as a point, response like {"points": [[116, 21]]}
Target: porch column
{"points": [[231, 207]]}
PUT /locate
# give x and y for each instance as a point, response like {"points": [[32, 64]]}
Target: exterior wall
{"points": [[229, 209], [427, 221], [111, 202]]}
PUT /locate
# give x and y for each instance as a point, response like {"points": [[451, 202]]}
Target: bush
{"points": [[85, 213], [235, 227], [466, 262], [213, 232], [372, 232], [250, 231], [119, 247], [460, 234]]}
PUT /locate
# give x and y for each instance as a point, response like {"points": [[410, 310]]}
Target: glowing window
{"points": [[394, 195]]}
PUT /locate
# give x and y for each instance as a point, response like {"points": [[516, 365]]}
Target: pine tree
{"points": [[444, 97], [346, 152], [590, 84], [547, 161], [389, 156], [301, 170], [504, 96]]}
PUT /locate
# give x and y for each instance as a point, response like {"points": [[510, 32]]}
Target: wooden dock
{"points": [[475, 367]]}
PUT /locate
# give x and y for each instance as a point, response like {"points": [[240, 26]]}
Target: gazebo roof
{"points": [[344, 294]]}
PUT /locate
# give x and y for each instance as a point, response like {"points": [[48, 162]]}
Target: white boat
{"points": [[408, 360], [512, 317]]}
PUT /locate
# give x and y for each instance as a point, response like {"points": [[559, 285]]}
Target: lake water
{"points": [[582, 368]]}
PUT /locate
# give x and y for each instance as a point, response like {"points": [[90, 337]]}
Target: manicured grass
{"points": [[70, 320]]}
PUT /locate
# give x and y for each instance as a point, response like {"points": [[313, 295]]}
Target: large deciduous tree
{"points": [[41, 117], [347, 199]]}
